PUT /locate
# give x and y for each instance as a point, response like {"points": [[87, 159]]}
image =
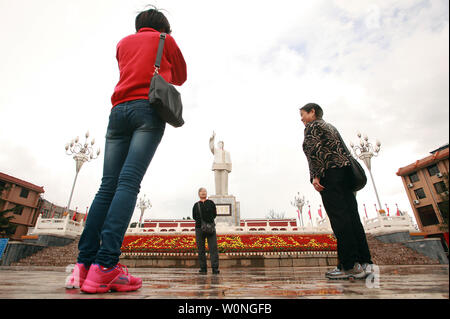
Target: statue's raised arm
{"points": [[211, 142]]}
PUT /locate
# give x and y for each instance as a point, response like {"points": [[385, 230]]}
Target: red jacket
{"points": [[136, 55]]}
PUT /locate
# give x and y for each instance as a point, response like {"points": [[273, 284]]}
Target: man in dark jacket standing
{"points": [[205, 210]]}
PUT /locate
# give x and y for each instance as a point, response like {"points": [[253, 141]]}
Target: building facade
{"points": [[426, 185], [23, 200], [50, 210]]}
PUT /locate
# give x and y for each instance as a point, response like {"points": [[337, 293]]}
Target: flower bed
{"points": [[230, 243]]}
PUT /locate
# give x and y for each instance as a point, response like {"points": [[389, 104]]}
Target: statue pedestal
{"points": [[228, 210]]}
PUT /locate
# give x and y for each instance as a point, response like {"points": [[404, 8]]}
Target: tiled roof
{"points": [[424, 162], [20, 182]]}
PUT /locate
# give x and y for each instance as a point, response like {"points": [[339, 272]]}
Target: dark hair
{"points": [[313, 106], [152, 18]]}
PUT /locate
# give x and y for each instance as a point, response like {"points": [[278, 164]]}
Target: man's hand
{"points": [[316, 184]]}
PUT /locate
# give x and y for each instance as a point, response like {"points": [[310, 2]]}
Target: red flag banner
{"points": [[85, 215], [74, 218], [320, 211]]}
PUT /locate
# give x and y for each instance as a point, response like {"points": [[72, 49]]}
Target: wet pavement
{"points": [[390, 282]]}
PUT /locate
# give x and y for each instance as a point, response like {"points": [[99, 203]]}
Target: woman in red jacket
{"points": [[134, 132]]}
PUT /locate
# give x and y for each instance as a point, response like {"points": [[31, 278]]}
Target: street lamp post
{"points": [[81, 153], [299, 202], [365, 151], [143, 204]]}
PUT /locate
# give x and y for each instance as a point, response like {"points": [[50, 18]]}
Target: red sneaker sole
{"points": [[96, 288]]}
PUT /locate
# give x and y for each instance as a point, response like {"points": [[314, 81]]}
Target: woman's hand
{"points": [[316, 184]]}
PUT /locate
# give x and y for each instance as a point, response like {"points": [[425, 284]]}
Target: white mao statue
{"points": [[221, 166]]}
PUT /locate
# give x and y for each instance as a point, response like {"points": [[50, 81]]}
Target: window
{"points": [[413, 177], [18, 210], [440, 187], [433, 170], [420, 193], [2, 187], [427, 215], [24, 193]]}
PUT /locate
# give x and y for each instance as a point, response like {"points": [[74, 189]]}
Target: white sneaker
{"points": [[333, 270], [337, 273], [368, 268], [356, 272]]}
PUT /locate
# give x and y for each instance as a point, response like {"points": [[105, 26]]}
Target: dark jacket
{"points": [[209, 212], [323, 148]]}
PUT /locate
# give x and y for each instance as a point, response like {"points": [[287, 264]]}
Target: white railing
{"points": [[324, 225], [148, 230], [222, 229], [389, 223], [57, 226], [67, 227]]}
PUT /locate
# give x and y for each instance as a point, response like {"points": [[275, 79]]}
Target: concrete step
{"points": [[52, 256], [382, 254]]}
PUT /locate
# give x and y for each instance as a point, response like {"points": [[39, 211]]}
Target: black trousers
{"points": [[342, 209], [212, 247]]}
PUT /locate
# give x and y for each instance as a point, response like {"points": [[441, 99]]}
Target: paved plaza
{"points": [[394, 282]]}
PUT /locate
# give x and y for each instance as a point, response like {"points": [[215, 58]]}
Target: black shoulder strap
{"points": [[338, 135], [349, 154], [162, 37], [200, 210]]}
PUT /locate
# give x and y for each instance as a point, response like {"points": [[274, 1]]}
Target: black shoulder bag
{"points": [[207, 228], [162, 95], [359, 179]]}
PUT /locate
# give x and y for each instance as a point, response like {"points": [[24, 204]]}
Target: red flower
{"points": [[230, 243]]}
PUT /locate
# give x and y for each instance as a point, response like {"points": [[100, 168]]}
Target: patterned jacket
{"points": [[323, 148]]}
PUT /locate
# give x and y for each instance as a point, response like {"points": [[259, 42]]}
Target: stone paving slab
{"points": [[395, 282]]}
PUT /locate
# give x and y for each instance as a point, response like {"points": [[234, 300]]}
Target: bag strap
{"points": [[344, 145], [349, 154], [162, 38], [200, 210]]}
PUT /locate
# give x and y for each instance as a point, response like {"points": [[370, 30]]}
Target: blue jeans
{"points": [[134, 132]]}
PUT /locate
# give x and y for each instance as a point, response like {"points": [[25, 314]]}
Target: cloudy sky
{"points": [[379, 67]]}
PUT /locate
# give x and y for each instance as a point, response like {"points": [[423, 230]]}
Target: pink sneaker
{"points": [[101, 279], [76, 279]]}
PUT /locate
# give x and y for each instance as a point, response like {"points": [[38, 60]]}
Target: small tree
{"points": [[6, 227], [443, 207], [274, 215]]}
